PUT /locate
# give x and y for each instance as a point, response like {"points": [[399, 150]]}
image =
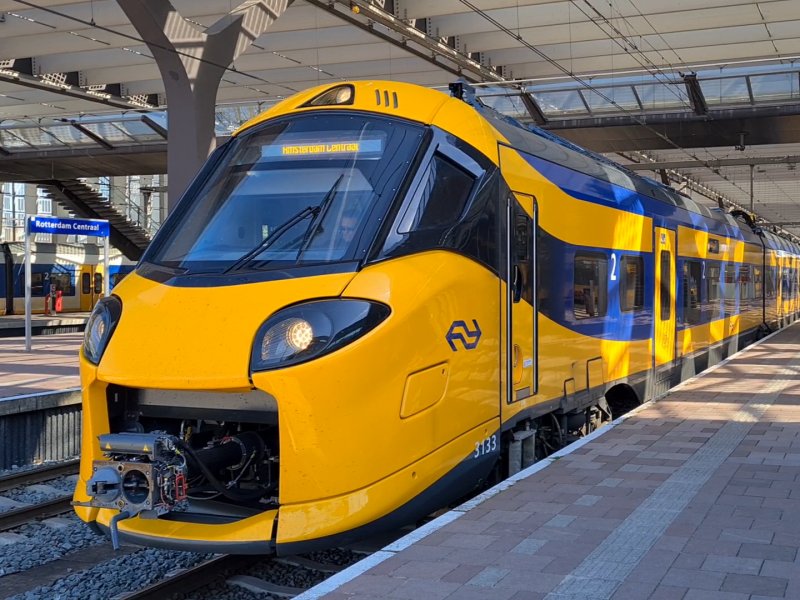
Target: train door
{"points": [[90, 287], [664, 330], [520, 350]]}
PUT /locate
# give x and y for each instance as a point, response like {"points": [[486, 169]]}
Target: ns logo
{"points": [[460, 332]]}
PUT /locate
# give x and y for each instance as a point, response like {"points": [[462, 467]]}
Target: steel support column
{"points": [[191, 63]]}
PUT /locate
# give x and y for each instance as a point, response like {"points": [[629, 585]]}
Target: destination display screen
{"points": [[291, 147]]}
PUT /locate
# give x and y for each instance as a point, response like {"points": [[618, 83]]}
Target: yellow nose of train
{"points": [[283, 370]]}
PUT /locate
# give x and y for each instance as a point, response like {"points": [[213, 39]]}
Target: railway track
{"points": [[233, 570], [188, 580], [32, 476], [42, 510]]}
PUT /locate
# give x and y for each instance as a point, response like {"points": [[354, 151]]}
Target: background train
{"points": [[75, 270], [377, 298]]}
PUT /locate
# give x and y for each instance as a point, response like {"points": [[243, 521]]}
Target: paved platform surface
{"points": [[52, 365], [694, 497]]}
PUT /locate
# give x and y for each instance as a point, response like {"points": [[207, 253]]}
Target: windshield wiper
{"points": [[268, 241], [317, 221]]}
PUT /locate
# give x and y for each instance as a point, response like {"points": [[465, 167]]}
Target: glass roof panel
{"points": [[142, 132], [229, 118], [727, 90], [68, 135], [660, 96], [36, 136], [559, 104], [775, 86], [7, 140], [109, 132], [511, 106], [618, 98]]}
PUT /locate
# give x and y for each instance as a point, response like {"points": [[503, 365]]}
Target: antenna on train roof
{"points": [[463, 91]]}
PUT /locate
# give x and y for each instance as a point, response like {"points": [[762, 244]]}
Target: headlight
{"points": [[305, 331], [100, 327]]}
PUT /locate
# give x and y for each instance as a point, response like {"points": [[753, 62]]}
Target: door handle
{"points": [[517, 284]]}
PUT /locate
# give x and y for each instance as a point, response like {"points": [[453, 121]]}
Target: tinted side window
{"points": [[730, 289], [590, 291], [471, 223], [63, 282], [37, 284], [666, 277], [692, 273], [523, 242], [631, 285], [745, 285], [712, 289], [770, 282], [758, 281], [440, 199]]}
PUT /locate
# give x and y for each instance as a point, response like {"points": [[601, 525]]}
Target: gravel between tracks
{"points": [[115, 576], [40, 492], [35, 544], [276, 573]]}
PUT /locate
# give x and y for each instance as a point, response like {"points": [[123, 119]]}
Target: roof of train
{"points": [[555, 149]]}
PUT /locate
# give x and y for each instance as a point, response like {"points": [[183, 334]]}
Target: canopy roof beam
{"points": [[714, 164], [402, 34], [192, 62]]}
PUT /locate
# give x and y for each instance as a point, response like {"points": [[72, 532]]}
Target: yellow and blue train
{"points": [[74, 270], [374, 299]]}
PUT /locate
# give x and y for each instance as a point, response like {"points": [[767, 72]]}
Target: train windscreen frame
{"points": [[305, 190]]}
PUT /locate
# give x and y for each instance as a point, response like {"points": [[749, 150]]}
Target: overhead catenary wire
{"points": [[656, 70], [138, 39], [587, 85], [649, 66]]}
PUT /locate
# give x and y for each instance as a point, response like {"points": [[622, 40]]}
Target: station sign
{"points": [[39, 224], [97, 228]]}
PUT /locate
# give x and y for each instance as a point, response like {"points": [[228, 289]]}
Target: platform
{"points": [[51, 366], [693, 497], [14, 325]]}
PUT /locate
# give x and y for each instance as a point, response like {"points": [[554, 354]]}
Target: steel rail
{"points": [[188, 580], [26, 514], [37, 475]]}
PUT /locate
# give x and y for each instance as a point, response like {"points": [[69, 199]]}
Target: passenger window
{"points": [[770, 282], [98, 283], [37, 284], [692, 273], [745, 284], [730, 289], [63, 282], [86, 283], [523, 240], [758, 282], [666, 277], [440, 198], [631, 285], [590, 291], [712, 290]]}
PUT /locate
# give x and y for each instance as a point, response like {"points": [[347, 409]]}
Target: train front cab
{"points": [[380, 426]]}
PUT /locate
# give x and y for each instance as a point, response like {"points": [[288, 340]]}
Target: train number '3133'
{"points": [[484, 447]]}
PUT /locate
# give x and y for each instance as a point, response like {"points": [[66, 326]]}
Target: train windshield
{"points": [[299, 191]]}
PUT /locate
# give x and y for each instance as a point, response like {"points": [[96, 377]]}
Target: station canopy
{"points": [[701, 94]]}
